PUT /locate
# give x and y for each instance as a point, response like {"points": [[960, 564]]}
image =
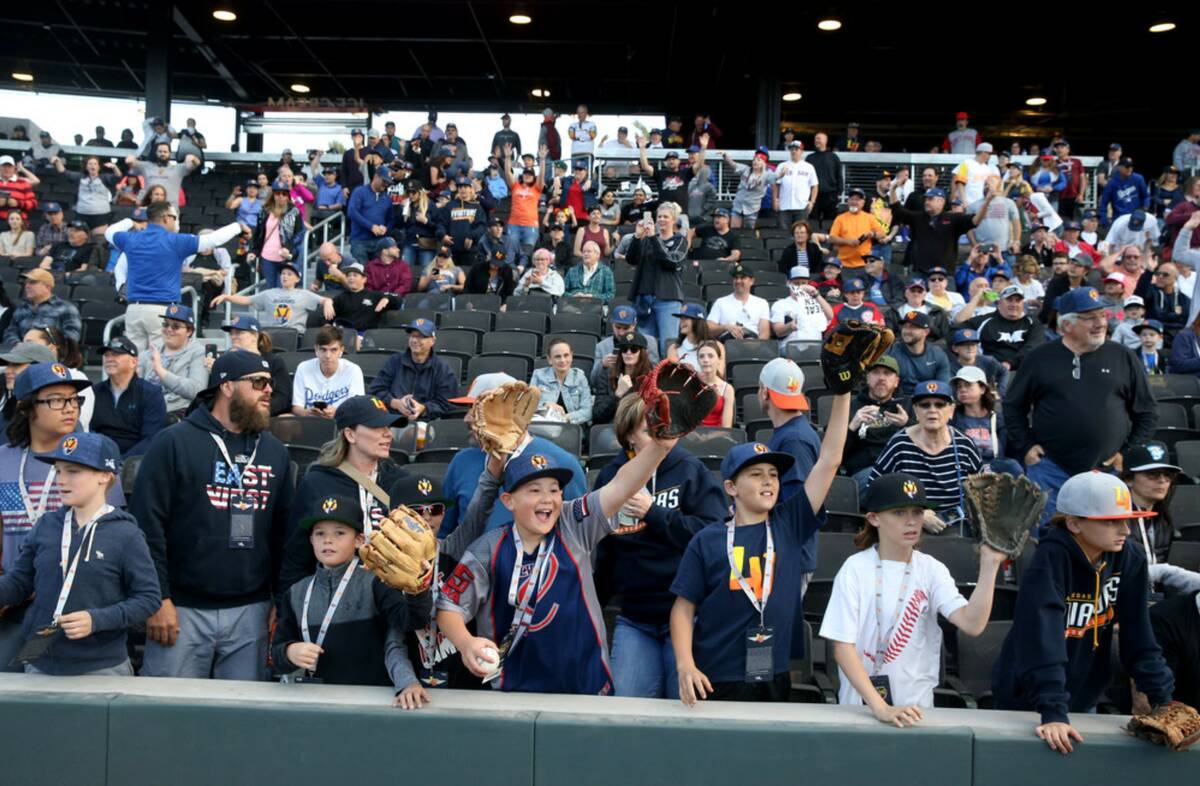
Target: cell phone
{"points": [[646, 218], [891, 406], [320, 405], [210, 351], [987, 248]]}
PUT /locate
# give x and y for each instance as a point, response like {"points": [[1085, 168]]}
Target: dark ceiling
{"points": [[901, 69]]}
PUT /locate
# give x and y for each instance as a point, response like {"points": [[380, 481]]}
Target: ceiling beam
{"points": [[208, 54]]}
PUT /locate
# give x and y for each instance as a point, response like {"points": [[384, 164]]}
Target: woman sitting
{"points": [[442, 275], [566, 395], [632, 364], [176, 363], [18, 240], [711, 356], [1150, 477], [693, 331], [540, 277]]}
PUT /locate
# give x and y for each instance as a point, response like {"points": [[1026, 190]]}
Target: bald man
{"points": [[329, 274]]}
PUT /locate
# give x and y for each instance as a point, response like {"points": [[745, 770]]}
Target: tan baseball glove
{"points": [[1175, 725], [502, 415], [402, 552]]}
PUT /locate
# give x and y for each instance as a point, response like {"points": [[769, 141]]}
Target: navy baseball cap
{"points": [[418, 489], [1115, 146], [1152, 324], [382, 172], [916, 283], [366, 411], [964, 336], [1091, 213], [387, 242], [895, 490], [691, 310], [234, 365], [341, 509], [623, 315], [289, 265], [423, 326], [121, 345], [935, 192], [1078, 301], [856, 192], [693, 148], [243, 322], [92, 450], [52, 207], [853, 285], [742, 456], [1137, 220], [530, 466], [671, 154], [832, 262], [936, 270], [917, 319], [934, 388], [1073, 224], [179, 314], [42, 375], [139, 214], [721, 211]]}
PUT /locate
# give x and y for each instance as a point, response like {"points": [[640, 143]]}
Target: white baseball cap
{"points": [[983, 147], [7, 160], [784, 382], [799, 271], [1134, 300], [971, 374], [1098, 495], [482, 384]]}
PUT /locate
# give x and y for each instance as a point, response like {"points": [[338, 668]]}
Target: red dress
{"points": [[714, 418]]}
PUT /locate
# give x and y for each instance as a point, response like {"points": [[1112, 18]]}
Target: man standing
{"points": [[154, 261], [962, 140], [99, 139], [505, 136], [416, 383], [1088, 398], [162, 171], [1071, 170], [212, 497], [853, 233], [1108, 167], [828, 167], [917, 360], [972, 174], [934, 232], [997, 222], [582, 134], [370, 214], [796, 186], [548, 136], [40, 306], [624, 324], [1009, 334], [128, 410], [1186, 156], [155, 132], [739, 314], [462, 222], [1126, 192]]}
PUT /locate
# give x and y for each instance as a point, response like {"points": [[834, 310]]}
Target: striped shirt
{"points": [[941, 473]]}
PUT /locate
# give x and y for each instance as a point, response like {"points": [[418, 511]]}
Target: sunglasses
{"points": [[936, 279], [931, 403], [258, 383], [1160, 474], [433, 509]]}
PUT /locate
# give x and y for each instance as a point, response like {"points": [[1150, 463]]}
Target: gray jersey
{"points": [[285, 307]]}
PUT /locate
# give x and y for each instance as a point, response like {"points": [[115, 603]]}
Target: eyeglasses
{"points": [[934, 403], [58, 403], [258, 383], [434, 509], [935, 279], [1160, 474], [1162, 273]]}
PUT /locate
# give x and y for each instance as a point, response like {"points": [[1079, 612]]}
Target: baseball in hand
{"points": [[488, 657]]}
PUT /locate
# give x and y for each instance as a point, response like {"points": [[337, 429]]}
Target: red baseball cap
{"points": [[961, 116]]}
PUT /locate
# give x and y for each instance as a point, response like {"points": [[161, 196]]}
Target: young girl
{"points": [[883, 614], [18, 240], [87, 566], [753, 182], [979, 417], [711, 356], [693, 331]]}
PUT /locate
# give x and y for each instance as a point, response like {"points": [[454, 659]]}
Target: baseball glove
{"points": [[1003, 509], [676, 400], [1175, 725], [395, 552], [502, 415], [852, 348]]}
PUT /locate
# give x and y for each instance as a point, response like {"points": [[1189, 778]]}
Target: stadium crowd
{"points": [[1044, 325]]}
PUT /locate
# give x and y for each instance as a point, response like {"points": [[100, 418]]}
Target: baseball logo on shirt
{"points": [[69, 444], [283, 312]]}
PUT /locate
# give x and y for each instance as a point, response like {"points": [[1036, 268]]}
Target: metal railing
{"points": [[112, 324]]}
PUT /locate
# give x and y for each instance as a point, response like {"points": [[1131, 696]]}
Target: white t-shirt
{"points": [[583, 136], [1120, 235], [1033, 290], [974, 175], [796, 181], [728, 310], [913, 655], [309, 384], [1040, 210], [810, 321], [689, 354]]}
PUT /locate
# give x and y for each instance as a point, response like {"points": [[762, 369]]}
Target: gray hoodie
{"points": [[186, 375]]}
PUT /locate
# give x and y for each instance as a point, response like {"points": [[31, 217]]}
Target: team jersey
{"points": [[563, 650]]}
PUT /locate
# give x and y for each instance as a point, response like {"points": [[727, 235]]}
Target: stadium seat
{"points": [[959, 555], [538, 324], [515, 366], [751, 407], [1169, 436], [398, 319], [371, 364], [809, 686], [542, 304], [489, 303], [310, 432], [1171, 415], [759, 430], [95, 316], [745, 374], [480, 321], [758, 350], [582, 344], [976, 656], [833, 548], [386, 340], [1185, 554], [576, 323], [430, 301], [711, 443], [582, 306], [1174, 385], [568, 436], [804, 351], [511, 343], [1187, 455], [283, 339], [457, 341]]}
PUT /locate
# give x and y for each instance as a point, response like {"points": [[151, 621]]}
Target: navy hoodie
{"points": [[115, 582], [639, 562], [181, 502], [1056, 658]]}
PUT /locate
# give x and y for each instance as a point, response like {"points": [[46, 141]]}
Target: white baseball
{"points": [[489, 657]]}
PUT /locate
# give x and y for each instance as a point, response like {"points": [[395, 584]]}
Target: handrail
{"points": [[120, 319]]}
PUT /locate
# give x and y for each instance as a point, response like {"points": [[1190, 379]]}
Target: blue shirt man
{"points": [[370, 214]]}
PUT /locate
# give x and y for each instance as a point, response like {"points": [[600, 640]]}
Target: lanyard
{"points": [[333, 603], [88, 530], [34, 513], [1150, 556], [225, 454], [524, 613], [882, 639], [365, 498], [768, 571]]}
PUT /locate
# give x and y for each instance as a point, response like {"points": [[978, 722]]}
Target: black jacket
{"points": [[934, 241], [461, 220], [480, 274], [865, 444], [829, 171], [658, 266], [816, 259]]}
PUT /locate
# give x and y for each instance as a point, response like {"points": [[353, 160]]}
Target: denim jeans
{"points": [[363, 250], [1050, 477], [883, 251], [657, 318], [643, 661], [527, 238], [1011, 466], [418, 258], [863, 479], [270, 273]]}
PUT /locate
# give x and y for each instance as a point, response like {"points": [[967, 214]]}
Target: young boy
{"points": [[334, 627], [88, 566], [1149, 335], [529, 586], [738, 590], [883, 613], [1085, 579]]}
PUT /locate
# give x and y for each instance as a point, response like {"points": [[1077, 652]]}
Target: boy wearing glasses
{"points": [[128, 410]]}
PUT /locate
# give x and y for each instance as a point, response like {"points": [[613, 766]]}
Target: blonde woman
{"points": [[442, 275], [659, 252]]}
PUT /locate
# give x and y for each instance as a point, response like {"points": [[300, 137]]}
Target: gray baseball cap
{"points": [[1098, 495], [28, 352]]}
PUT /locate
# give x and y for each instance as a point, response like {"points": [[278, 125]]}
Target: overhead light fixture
{"points": [[22, 76], [540, 92], [1162, 27], [300, 88], [520, 19], [1035, 101], [829, 25], [224, 15], [791, 96]]}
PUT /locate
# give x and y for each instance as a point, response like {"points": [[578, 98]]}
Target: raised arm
{"points": [[822, 474], [218, 237], [507, 170], [642, 161], [634, 476]]}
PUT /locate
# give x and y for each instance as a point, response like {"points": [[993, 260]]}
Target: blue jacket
{"points": [[331, 195], [639, 562], [133, 420], [965, 275], [115, 582], [462, 478], [1124, 195], [576, 392], [366, 209], [931, 364], [432, 383], [1056, 658], [1185, 354]]}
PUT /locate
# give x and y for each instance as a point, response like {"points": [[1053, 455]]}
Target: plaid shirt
{"points": [[55, 312]]}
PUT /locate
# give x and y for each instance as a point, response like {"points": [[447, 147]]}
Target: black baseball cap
{"points": [[366, 411], [341, 509], [418, 489], [895, 490]]}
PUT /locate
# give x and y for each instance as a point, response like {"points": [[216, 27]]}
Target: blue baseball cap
{"points": [[832, 262], [964, 336], [179, 314], [934, 388], [366, 411], [234, 365], [623, 315], [693, 148], [423, 326], [43, 375], [139, 214], [1072, 224], [935, 271], [691, 310], [916, 282], [1091, 213], [530, 466], [854, 285], [242, 322], [52, 207], [1078, 301], [935, 192], [721, 211], [1137, 220], [91, 450], [387, 242], [121, 346], [747, 453], [382, 172], [1152, 324]]}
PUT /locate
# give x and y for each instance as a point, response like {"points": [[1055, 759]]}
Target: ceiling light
{"points": [[829, 25], [224, 15], [791, 96], [520, 19], [1162, 27], [540, 92], [22, 76], [1035, 101], [299, 88]]}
